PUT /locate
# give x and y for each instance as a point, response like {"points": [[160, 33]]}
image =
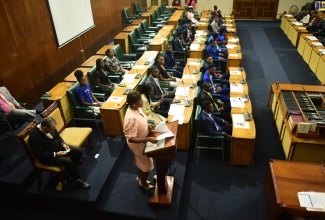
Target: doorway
{"points": [[255, 9]]}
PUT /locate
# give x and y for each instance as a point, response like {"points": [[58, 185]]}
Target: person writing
{"points": [[213, 125], [136, 130], [49, 148], [84, 92]]}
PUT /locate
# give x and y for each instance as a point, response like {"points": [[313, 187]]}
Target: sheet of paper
{"points": [[301, 28], [151, 146], [193, 63], [233, 40], [317, 44], [237, 117], [231, 46], [195, 46], [129, 76], [139, 67], [175, 109], [165, 135], [236, 103], [187, 76], [310, 200], [182, 91], [234, 54], [230, 29], [297, 23], [311, 38], [228, 25], [235, 72], [180, 119], [115, 99], [128, 80], [161, 127], [243, 124], [236, 87]]}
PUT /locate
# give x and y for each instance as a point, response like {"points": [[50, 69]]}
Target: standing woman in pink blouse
{"points": [[136, 130]]}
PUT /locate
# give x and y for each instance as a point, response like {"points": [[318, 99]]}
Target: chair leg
{"points": [[195, 147]]}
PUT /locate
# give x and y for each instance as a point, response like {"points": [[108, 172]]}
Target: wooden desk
{"points": [[92, 61], [58, 93], [235, 84], [146, 14], [202, 26], [308, 49], [302, 43], [234, 58], [104, 48], [315, 57], [242, 143], [248, 106], [235, 76], [123, 40], [320, 69], [197, 52], [164, 187], [296, 33], [174, 19], [137, 22], [159, 42], [284, 180], [295, 148], [72, 78], [130, 28], [113, 112]]}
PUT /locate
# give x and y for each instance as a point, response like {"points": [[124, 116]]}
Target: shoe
{"points": [[39, 111], [148, 187], [137, 179], [81, 184]]}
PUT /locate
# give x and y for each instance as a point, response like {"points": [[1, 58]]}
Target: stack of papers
{"points": [[297, 23], [234, 54], [317, 44], [231, 46], [176, 109], [195, 46], [235, 72], [129, 76], [312, 201], [311, 38]]}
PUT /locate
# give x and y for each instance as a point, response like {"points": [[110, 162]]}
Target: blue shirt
{"points": [[84, 93]]}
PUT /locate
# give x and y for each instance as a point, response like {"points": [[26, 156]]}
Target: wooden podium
{"points": [[164, 187]]}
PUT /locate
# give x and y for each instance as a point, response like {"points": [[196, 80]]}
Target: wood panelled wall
{"points": [[30, 61]]}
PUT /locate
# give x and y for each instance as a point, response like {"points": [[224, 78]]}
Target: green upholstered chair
{"points": [[137, 9], [137, 47], [127, 17], [204, 141], [79, 111]]}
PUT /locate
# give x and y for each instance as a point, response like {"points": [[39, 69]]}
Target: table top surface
{"points": [[102, 50], [91, 61], [59, 90], [72, 78]]}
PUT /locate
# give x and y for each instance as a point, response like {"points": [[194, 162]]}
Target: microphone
{"points": [[187, 101], [245, 96], [137, 76], [126, 91], [192, 84], [247, 116], [242, 81]]}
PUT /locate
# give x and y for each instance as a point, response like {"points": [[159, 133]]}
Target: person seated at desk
{"points": [[319, 29], [49, 148], [148, 105], [301, 14], [159, 92], [84, 92], [209, 76], [215, 24], [179, 44], [223, 76], [136, 130], [163, 74], [190, 16], [215, 11], [305, 19], [219, 106], [213, 125], [216, 53], [314, 19], [102, 77], [170, 61], [188, 33], [11, 109], [221, 38], [186, 22], [113, 64]]}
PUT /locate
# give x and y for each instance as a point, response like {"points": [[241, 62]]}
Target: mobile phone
{"points": [[68, 150]]}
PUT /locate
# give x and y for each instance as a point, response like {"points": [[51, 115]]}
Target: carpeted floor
{"points": [[212, 189]]}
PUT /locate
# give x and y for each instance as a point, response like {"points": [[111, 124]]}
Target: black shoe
{"points": [[39, 111], [81, 184]]}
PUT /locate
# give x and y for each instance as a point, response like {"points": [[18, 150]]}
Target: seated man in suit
{"points": [[209, 76], [219, 106], [84, 92], [188, 33], [12, 110], [179, 44], [170, 61], [209, 61], [213, 125], [159, 93], [216, 53], [49, 148]]}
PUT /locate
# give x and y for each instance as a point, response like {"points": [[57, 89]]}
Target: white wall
{"points": [[226, 5]]}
